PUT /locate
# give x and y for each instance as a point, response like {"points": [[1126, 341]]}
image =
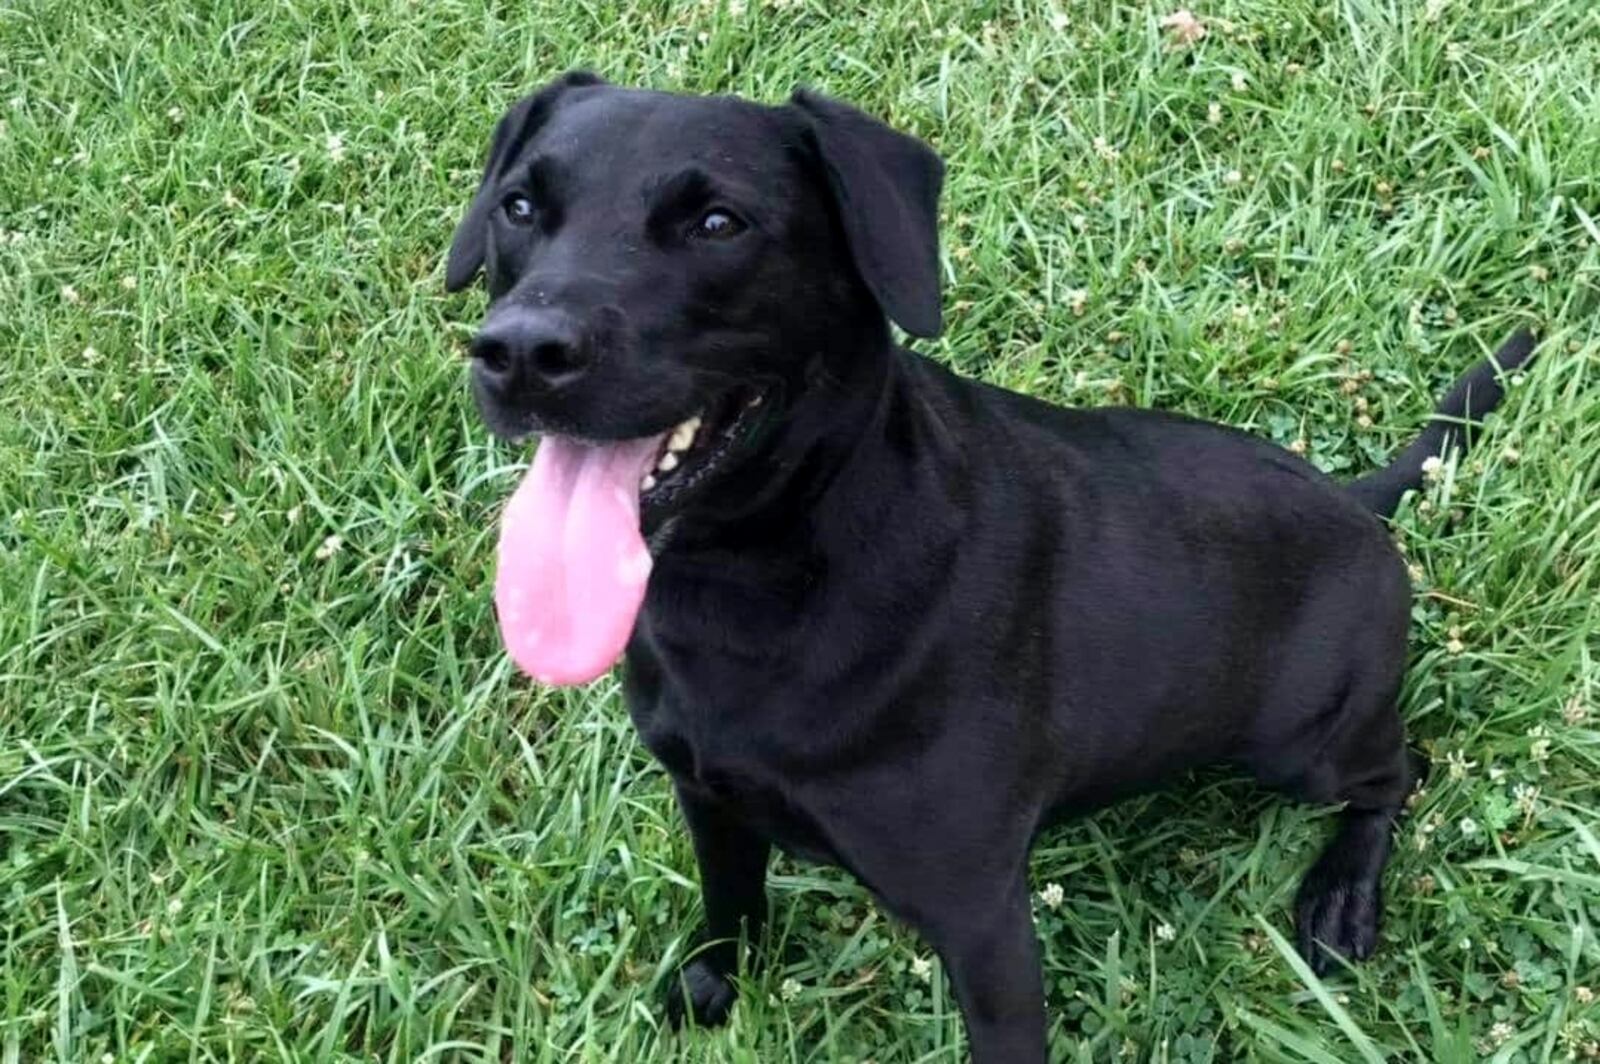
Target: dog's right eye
{"points": [[717, 224], [519, 209]]}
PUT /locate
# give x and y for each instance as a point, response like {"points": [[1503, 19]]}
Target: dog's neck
{"points": [[844, 397], [805, 526], [859, 440]]}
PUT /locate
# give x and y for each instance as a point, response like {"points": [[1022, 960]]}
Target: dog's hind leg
{"points": [[1366, 766], [1340, 902]]}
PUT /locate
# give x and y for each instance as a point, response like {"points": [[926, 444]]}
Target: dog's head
{"points": [[671, 279], [675, 266]]}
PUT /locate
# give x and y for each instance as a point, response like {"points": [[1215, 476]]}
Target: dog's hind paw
{"points": [[1336, 914], [701, 993]]}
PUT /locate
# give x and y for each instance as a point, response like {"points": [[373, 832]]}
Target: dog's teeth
{"points": [[648, 482], [683, 435], [754, 402], [668, 462]]}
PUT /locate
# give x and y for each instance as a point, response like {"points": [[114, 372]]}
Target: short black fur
{"points": [[912, 618]]}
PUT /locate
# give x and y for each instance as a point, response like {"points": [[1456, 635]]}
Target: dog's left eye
{"points": [[519, 209], [717, 224]]}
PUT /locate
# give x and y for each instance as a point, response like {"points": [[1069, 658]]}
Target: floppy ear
{"points": [[886, 187], [514, 129]]}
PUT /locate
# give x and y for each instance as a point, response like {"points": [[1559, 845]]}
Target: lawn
{"points": [[269, 788]]}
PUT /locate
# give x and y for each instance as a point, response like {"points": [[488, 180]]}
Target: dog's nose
{"points": [[540, 344]]}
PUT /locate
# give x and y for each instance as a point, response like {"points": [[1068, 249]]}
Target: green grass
{"points": [[261, 798]]}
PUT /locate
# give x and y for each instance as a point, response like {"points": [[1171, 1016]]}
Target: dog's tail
{"points": [[1474, 395]]}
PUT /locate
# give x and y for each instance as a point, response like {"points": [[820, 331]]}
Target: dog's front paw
{"points": [[700, 992], [1337, 914]]}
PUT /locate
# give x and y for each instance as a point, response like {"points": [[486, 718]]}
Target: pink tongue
{"points": [[573, 564]]}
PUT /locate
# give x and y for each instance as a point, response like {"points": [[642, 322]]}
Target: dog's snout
{"points": [[543, 346]]}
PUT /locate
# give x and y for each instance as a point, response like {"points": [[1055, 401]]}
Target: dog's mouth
{"points": [[697, 447], [573, 563]]}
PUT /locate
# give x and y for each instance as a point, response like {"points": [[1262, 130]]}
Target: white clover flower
{"points": [[1183, 27]]}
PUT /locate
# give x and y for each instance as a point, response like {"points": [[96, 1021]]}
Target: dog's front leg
{"points": [[991, 953], [960, 879], [733, 873]]}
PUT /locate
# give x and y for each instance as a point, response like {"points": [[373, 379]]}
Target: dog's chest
{"points": [[716, 770]]}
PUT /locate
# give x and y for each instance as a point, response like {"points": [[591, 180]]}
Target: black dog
{"points": [[899, 620]]}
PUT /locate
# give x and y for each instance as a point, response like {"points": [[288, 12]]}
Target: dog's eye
{"points": [[519, 209], [717, 224]]}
